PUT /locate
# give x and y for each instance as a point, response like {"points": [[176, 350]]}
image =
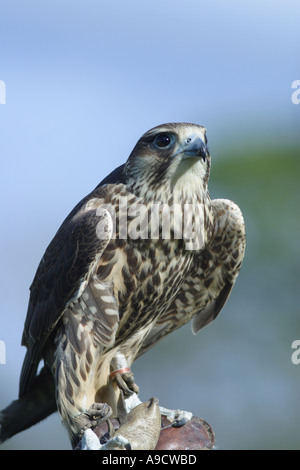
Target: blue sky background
{"points": [[83, 81]]}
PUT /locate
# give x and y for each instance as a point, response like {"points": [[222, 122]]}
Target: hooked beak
{"points": [[194, 147]]}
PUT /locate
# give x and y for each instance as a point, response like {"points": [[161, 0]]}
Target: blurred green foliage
{"points": [[265, 184]]}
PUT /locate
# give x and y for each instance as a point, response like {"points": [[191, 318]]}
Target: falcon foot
{"points": [[177, 417], [95, 415], [125, 381]]}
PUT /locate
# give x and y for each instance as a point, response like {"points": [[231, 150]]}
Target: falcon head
{"points": [[170, 160]]}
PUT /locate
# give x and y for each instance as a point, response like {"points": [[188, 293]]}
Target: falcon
{"points": [[113, 281]]}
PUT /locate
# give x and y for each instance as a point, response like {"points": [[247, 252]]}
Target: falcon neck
{"points": [[170, 193]]}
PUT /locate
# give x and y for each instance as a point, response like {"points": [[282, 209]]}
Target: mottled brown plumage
{"points": [[107, 290]]}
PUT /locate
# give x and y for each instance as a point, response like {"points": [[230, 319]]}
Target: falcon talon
{"points": [[123, 385], [99, 411], [125, 381]]}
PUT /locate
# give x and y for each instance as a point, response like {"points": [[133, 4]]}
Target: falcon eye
{"points": [[162, 140]]}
